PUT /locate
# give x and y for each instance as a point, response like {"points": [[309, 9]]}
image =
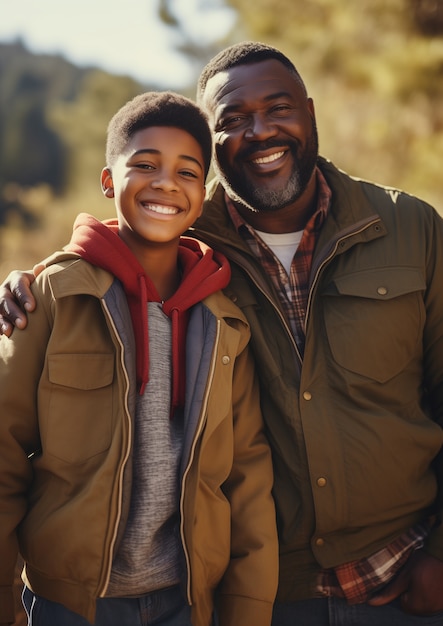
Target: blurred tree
{"points": [[31, 151]]}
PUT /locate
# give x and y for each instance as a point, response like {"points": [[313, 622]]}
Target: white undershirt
{"points": [[283, 245]]}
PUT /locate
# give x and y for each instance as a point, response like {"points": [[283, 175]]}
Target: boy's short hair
{"points": [[243, 53], [157, 108]]}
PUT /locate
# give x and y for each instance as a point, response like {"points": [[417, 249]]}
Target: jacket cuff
{"points": [[238, 611], [7, 607]]}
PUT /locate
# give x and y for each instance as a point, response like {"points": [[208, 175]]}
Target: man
{"points": [[340, 281]]}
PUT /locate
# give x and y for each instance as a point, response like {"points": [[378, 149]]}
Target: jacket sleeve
{"points": [[21, 362], [248, 589], [433, 359]]}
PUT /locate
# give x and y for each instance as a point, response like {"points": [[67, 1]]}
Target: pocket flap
{"points": [[81, 371], [381, 283]]}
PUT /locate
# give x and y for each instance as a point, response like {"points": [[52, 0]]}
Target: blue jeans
{"points": [[162, 608], [336, 612]]}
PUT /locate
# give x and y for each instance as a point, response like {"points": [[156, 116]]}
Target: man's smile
{"points": [[268, 159]]}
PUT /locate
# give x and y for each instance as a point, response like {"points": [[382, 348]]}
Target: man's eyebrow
{"points": [[278, 94], [268, 98], [188, 157]]}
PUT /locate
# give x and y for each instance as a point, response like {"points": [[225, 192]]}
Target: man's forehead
{"points": [[243, 82]]}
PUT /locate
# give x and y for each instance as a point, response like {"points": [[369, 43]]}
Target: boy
{"points": [[135, 477]]}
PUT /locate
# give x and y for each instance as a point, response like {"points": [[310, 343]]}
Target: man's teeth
{"points": [[160, 208], [270, 158]]}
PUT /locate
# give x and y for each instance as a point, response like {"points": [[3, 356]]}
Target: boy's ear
{"points": [[106, 183]]}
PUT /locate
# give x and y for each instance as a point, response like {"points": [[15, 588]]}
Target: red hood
{"points": [[204, 271]]}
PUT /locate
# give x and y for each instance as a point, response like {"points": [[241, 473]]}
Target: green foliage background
{"points": [[373, 67]]}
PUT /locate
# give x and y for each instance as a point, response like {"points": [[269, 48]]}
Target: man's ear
{"points": [[106, 183], [311, 108], [203, 200]]}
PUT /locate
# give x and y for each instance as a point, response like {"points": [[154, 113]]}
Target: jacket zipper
{"points": [[106, 572], [191, 458]]}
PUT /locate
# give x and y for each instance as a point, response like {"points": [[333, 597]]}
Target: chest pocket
{"points": [[374, 320], [79, 417]]}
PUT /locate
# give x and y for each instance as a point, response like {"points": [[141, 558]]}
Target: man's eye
{"points": [[231, 122], [281, 109]]}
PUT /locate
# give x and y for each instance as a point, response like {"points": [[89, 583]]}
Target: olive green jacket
{"points": [[356, 427]]}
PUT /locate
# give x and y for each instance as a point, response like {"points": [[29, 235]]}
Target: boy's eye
{"points": [[144, 166], [188, 174]]}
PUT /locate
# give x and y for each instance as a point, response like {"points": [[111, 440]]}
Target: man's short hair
{"points": [[243, 53], [157, 108]]}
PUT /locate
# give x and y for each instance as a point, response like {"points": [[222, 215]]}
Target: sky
{"points": [[120, 36]]}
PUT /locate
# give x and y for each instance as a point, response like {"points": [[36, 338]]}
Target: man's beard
{"points": [[258, 198]]}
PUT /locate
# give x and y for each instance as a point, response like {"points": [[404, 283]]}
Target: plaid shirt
{"points": [[356, 580], [293, 289]]}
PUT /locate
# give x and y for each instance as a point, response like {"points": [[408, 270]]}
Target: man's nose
{"points": [[260, 128]]}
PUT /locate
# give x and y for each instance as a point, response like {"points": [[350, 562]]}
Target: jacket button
{"points": [[321, 482], [307, 395], [225, 360], [320, 542], [382, 291]]}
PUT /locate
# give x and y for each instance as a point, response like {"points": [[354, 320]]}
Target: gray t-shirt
{"points": [[148, 557]]}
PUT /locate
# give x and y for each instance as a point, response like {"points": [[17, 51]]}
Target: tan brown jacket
{"points": [[67, 398]]}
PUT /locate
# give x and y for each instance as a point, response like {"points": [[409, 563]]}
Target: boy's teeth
{"points": [[158, 208], [270, 158]]}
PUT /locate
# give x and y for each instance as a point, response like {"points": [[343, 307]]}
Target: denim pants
{"points": [[336, 612], [166, 607]]}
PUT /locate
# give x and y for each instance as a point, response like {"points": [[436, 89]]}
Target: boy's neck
{"points": [[161, 265]]}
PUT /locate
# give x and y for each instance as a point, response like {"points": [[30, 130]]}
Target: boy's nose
{"points": [[165, 181]]}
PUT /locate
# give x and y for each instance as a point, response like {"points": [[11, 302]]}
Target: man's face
{"points": [[265, 136]]}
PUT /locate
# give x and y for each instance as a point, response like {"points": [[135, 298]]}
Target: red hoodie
{"points": [[204, 271]]}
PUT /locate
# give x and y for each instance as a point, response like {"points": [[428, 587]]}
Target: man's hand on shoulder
{"points": [[419, 585], [15, 300]]}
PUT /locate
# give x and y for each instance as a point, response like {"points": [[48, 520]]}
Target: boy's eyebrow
{"points": [[182, 156]]}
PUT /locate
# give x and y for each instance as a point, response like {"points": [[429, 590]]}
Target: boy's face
{"points": [[158, 183]]}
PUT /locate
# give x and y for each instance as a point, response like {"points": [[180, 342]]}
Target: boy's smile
{"points": [[165, 210]]}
